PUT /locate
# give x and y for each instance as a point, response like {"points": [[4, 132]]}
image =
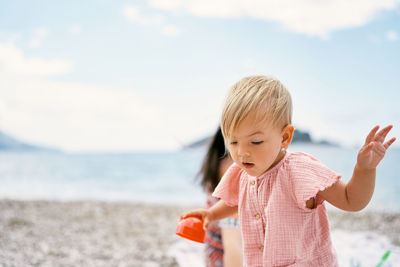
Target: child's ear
{"points": [[287, 135]]}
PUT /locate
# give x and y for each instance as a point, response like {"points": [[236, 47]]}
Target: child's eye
{"points": [[233, 143], [257, 142]]}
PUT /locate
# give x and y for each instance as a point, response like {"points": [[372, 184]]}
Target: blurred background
{"points": [[106, 108], [114, 100]]}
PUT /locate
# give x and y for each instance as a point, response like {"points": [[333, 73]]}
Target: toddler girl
{"points": [[279, 195]]}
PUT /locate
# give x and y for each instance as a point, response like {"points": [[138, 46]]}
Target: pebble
{"points": [[47, 233]]}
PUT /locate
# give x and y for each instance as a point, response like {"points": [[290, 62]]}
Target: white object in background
{"points": [[188, 253]]}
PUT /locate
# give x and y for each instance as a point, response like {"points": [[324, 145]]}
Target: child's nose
{"points": [[243, 152]]}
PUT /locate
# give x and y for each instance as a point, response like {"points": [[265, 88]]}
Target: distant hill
{"points": [[305, 137], [9, 143], [298, 137]]}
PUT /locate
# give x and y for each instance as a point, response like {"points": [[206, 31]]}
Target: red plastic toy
{"points": [[192, 229]]}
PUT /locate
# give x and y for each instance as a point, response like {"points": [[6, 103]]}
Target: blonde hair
{"points": [[264, 95]]}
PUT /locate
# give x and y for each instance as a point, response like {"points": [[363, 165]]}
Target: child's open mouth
{"points": [[248, 165]]}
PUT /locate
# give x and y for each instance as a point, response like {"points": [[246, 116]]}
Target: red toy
{"points": [[191, 228]]}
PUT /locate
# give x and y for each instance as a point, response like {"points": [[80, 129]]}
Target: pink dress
{"points": [[277, 227]]}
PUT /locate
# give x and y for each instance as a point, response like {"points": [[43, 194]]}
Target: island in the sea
{"points": [[9, 143], [298, 137]]}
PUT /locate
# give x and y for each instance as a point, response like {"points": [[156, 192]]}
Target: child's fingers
{"points": [[368, 147], [194, 213], [371, 135], [389, 143], [184, 215], [381, 135], [380, 150]]}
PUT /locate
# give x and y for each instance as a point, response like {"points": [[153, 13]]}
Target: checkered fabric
{"points": [[277, 227]]}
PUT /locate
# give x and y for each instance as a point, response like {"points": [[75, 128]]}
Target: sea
{"points": [[157, 177]]}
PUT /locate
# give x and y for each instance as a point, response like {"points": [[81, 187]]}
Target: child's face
{"points": [[256, 146]]}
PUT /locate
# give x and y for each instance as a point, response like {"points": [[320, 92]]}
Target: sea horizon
{"points": [[163, 177]]}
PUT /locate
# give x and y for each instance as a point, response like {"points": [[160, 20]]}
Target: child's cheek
{"points": [[236, 159]]}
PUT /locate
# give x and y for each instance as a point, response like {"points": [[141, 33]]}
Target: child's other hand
{"points": [[374, 148], [203, 214]]}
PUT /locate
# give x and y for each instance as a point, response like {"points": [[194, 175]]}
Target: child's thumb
{"points": [[206, 223]]}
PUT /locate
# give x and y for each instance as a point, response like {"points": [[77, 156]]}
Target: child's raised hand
{"points": [[203, 214], [374, 149]]}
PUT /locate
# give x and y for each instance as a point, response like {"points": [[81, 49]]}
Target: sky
{"points": [[152, 75]]}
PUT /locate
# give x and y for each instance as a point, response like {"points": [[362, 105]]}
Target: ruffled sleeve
{"points": [[309, 176], [228, 187]]}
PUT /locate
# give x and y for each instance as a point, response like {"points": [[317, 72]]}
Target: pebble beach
{"points": [[89, 233]]}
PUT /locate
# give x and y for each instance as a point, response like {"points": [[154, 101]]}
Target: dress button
{"points": [[257, 216], [261, 248], [252, 182]]}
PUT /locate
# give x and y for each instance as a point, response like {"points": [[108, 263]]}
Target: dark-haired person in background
{"points": [[223, 240]]}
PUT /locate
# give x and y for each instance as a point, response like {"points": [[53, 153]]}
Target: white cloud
{"points": [[75, 116], [133, 14], [80, 116], [392, 35], [75, 29], [38, 35], [13, 62], [167, 4], [310, 17]]}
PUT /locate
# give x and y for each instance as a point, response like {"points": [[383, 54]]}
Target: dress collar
{"points": [[275, 168]]}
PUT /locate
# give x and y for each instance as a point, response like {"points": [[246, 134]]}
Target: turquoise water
{"points": [[155, 177]]}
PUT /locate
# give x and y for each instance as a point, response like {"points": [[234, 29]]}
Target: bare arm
{"points": [[356, 194], [353, 196], [217, 212], [222, 210]]}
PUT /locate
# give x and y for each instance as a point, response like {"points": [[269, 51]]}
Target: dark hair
{"points": [[209, 172]]}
